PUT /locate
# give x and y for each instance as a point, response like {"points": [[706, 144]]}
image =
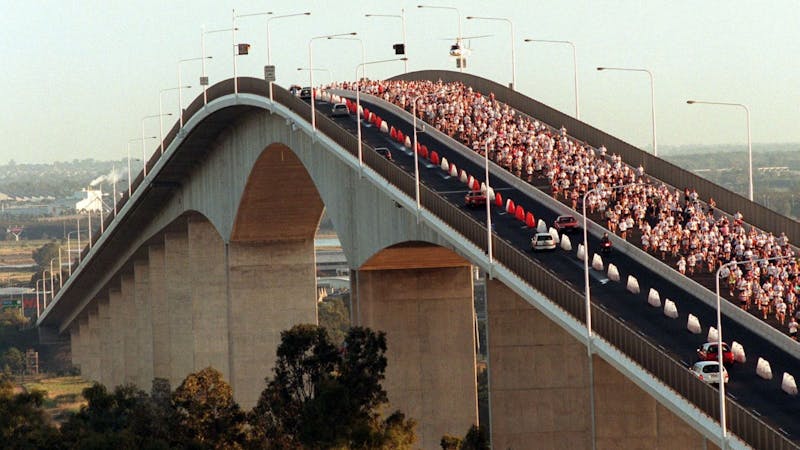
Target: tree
{"points": [[14, 360], [44, 254], [335, 317], [23, 424], [207, 411], [323, 398]]}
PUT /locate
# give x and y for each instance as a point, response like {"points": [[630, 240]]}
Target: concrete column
{"points": [[128, 319], [208, 296], [272, 288], [539, 389], [116, 349], [159, 311], [178, 292], [105, 336], [427, 315], [144, 324], [629, 418], [75, 350], [92, 370]]}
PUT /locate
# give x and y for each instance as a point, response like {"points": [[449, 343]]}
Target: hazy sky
{"points": [[78, 76]]}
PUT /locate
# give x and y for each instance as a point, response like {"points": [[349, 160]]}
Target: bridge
{"points": [[211, 256]]}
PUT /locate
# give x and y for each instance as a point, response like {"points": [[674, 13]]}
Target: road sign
{"points": [[269, 73], [203, 81]]}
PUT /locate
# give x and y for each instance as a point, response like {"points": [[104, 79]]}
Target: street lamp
{"points": [[458, 40], [203, 77], [358, 103], [269, 48], [38, 312], [652, 99], [749, 139], [180, 92], [144, 157], [129, 158], [161, 113], [511, 24], [587, 295], [311, 72], [488, 201], [69, 248], [402, 17], [574, 67], [328, 71], [52, 284], [236, 52]]}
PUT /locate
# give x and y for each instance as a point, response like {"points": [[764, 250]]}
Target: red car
{"points": [[565, 224], [708, 352], [474, 199]]}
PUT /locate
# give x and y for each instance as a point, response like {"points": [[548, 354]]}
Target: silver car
{"points": [[542, 241], [339, 110]]}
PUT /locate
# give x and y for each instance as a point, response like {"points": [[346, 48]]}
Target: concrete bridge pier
{"points": [[540, 393], [272, 288], [144, 323], [421, 296]]}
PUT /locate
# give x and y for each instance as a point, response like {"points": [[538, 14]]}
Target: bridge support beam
{"points": [[178, 297], [90, 368], [144, 324], [208, 285], [105, 336], [160, 313], [129, 341], [116, 348], [272, 288], [427, 315], [539, 389]]}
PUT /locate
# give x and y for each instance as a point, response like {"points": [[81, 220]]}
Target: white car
{"points": [[339, 110], [708, 371], [542, 241]]}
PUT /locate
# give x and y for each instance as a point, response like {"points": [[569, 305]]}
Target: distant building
{"points": [[92, 203]]}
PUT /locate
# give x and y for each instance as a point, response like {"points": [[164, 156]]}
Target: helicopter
{"points": [[461, 51]]}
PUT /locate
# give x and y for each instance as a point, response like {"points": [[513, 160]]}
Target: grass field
{"points": [[14, 253], [63, 394]]}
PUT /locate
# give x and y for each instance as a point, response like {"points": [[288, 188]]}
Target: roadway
{"points": [[763, 398]]}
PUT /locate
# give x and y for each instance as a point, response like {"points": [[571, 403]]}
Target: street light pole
{"points": [[652, 99], [749, 139], [511, 24], [588, 297], [161, 113], [180, 84], [488, 204], [144, 158], [311, 72], [415, 144], [574, 68], [458, 13], [402, 17], [130, 191], [269, 48], [203, 58], [234, 16], [358, 104]]}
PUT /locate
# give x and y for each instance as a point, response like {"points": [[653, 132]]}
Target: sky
{"points": [[79, 76]]}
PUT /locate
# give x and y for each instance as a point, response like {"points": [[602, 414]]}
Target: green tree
{"points": [[207, 411], [23, 423], [14, 360], [44, 254], [323, 398], [335, 317], [123, 419]]}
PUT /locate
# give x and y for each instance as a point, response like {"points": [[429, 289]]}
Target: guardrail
{"points": [[671, 372]]}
